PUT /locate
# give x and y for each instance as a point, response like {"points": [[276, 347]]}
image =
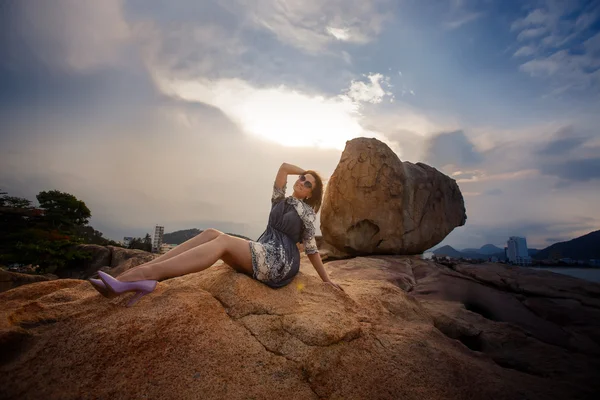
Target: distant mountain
{"points": [[532, 252], [490, 249], [486, 250], [448, 251], [582, 248], [468, 253], [179, 237]]}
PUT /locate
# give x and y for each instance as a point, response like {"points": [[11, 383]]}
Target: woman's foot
{"points": [[102, 289], [141, 287]]}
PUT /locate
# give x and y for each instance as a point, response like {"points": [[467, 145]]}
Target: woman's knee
{"points": [[212, 232]]}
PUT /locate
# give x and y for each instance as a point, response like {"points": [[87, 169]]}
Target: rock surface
{"points": [[377, 204], [10, 280], [110, 259], [403, 328]]}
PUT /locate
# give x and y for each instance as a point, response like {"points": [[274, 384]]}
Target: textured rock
{"points": [[111, 259], [10, 280], [377, 204], [220, 334], [100, 257], [120, 255]]}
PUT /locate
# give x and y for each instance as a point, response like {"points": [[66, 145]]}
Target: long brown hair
{"points": [[316, 197]]}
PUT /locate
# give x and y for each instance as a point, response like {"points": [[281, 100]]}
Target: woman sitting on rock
{"points": [[273, 259]]}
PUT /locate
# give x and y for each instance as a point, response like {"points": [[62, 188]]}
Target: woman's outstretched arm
{"points": [[285, 170], [316, 261]]}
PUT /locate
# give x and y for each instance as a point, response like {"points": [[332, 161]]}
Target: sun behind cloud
{"points": [[284, 115]]}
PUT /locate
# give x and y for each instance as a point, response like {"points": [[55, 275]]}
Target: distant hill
{"points": [[179, 237], [448, 251], [486, 249], [469, 253], [490, 249], [582, 248], [532, 252]]}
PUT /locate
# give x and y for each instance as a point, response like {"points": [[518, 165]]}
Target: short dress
{"points": [[275, 255]]}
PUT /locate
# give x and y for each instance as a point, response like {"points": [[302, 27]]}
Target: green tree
{"points": [[147, 243], [15, 202], [63, 210], [141, 244]]}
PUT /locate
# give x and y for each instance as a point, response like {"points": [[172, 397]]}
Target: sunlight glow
{"points": [[278, 114]]}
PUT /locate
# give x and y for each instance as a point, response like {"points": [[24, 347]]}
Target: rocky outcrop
{"points": [[402, 328], [10, 280], [377, 204], [110, 259]]}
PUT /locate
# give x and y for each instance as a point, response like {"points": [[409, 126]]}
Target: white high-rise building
{"points": [[157, 238], [517, 251]]}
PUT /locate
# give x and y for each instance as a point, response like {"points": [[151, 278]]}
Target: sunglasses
{"points": [[307, 184]]}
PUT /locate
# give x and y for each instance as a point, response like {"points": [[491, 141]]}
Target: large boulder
{"points": [[215, 334], [377, 204]]}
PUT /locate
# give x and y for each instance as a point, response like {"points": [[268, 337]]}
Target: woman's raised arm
{"points": [[285, 170]]}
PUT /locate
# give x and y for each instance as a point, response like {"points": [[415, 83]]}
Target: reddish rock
{"points": [[377, 204], [10, 280], [220, 334]]}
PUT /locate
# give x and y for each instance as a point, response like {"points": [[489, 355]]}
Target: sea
{"points": [[589, 274]]}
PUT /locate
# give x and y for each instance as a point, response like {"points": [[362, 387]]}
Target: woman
{"points": [[273, 259]]}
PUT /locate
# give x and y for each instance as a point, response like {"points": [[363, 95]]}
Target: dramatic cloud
{"points": [[81, 35], [180, 114], [554, 27], [452, 148], [312, 25], [581, 170]]}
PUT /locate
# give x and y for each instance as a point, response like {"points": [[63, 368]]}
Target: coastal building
{"points": [[157, 238], [516, 251], [166, 247]]}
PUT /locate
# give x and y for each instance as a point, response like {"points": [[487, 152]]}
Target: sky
{"points": [[179, 113]]}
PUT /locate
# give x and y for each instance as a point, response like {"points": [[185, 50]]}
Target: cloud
{"points": [[370, 92], [452, 148], [536, 17], [525, 51], [493, 192], [578, 71], [564, 142], [575, 170], [530, 33], [278, 114], [462, 19], [568, 157], [313, 25], [561, 31], [68, 34]]}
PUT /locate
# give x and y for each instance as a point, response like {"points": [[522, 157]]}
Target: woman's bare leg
{"points": [[234, 251], [201, 238]]}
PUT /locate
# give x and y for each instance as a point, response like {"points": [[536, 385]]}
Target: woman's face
{"points": [[301, 186]]}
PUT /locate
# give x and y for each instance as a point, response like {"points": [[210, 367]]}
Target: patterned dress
{"points": [[275, 256]]}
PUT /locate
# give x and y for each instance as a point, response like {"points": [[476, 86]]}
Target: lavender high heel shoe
{"points": [[101, 287], [141, 288]]}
